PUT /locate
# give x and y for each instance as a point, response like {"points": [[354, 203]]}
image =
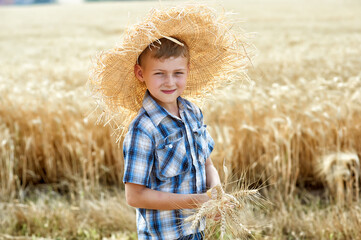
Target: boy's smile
{"points": [[165, 79]]}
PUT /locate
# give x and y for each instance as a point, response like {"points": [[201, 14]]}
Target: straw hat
{"points": [[216, 54]]}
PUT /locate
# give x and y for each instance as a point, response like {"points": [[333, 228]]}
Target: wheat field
{"points": [[293, 130]]}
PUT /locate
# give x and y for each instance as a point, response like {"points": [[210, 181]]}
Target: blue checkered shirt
{"points": [[167, 153]]}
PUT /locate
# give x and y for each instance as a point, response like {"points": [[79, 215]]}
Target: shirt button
{"points": [[170, 146]]}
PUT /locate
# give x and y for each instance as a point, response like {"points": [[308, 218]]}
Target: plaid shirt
{"points": [[167, 153]]}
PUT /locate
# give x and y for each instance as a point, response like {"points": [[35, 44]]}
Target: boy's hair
{"points": [[164, 48]]}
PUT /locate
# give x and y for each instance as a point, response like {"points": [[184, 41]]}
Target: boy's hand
{"points": [[216, 192], [225, 200]]}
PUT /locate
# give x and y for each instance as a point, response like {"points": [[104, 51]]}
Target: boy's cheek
{"points": [[183, 82], [184, 85]]}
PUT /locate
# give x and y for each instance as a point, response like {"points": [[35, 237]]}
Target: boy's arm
{"points": [[212, 176], [139, 196]]}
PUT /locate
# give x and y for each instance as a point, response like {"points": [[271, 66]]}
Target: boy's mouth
{"points": [[168, 91]]}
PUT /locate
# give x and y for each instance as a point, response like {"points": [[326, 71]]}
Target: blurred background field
{"points": [[294, 130]]}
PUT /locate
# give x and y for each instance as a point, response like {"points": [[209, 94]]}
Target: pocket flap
{"points": [[170, 140], [200, 130], [172, 156]]}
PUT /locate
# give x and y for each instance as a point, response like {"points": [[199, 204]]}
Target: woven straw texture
{"points": [[216, 54]]}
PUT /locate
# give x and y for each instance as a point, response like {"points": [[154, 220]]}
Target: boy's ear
{"points": [[138, 71]]}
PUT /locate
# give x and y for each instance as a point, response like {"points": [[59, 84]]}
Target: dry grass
{"points": [[304, 105], [50, 215]]}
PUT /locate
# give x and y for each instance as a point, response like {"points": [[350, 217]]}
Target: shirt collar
{"points": [[156, 112]]}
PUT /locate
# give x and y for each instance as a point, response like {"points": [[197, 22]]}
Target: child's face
{"points": [[165, 78]]}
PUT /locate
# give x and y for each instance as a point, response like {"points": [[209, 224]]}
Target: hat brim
{"points": [[215, 53]]}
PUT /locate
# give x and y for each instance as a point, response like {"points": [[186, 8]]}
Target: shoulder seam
{"points": [[135, 126]]}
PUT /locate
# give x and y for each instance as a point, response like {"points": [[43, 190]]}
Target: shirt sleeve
{"points": [[210, 142], [138, 149]]}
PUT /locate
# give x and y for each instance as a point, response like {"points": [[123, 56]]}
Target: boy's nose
{"points": [[169, 80]]}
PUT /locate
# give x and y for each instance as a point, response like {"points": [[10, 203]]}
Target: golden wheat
{"points": [[232, 210], [302, 105]]}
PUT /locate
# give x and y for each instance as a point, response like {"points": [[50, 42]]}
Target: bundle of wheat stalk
{"points": [[228, 211], [340, 173]]}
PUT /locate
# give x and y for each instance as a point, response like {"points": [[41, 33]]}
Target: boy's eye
{"points": [[158, 73], [179, 73]]}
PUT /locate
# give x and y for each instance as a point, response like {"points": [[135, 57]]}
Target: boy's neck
{"points": [[172, 109], [175, 112]]}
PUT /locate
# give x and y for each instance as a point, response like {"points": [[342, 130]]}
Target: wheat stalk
{"points": [[230, 208]]}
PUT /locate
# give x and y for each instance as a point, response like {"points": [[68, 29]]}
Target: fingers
{"points": [[217, 217], [216, 192]]}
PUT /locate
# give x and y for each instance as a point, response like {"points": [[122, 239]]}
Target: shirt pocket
{"points": [[201, 143], [172, 156]]}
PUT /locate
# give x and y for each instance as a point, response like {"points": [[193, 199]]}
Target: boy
{"points": [[167, 148], [185, 51]]}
